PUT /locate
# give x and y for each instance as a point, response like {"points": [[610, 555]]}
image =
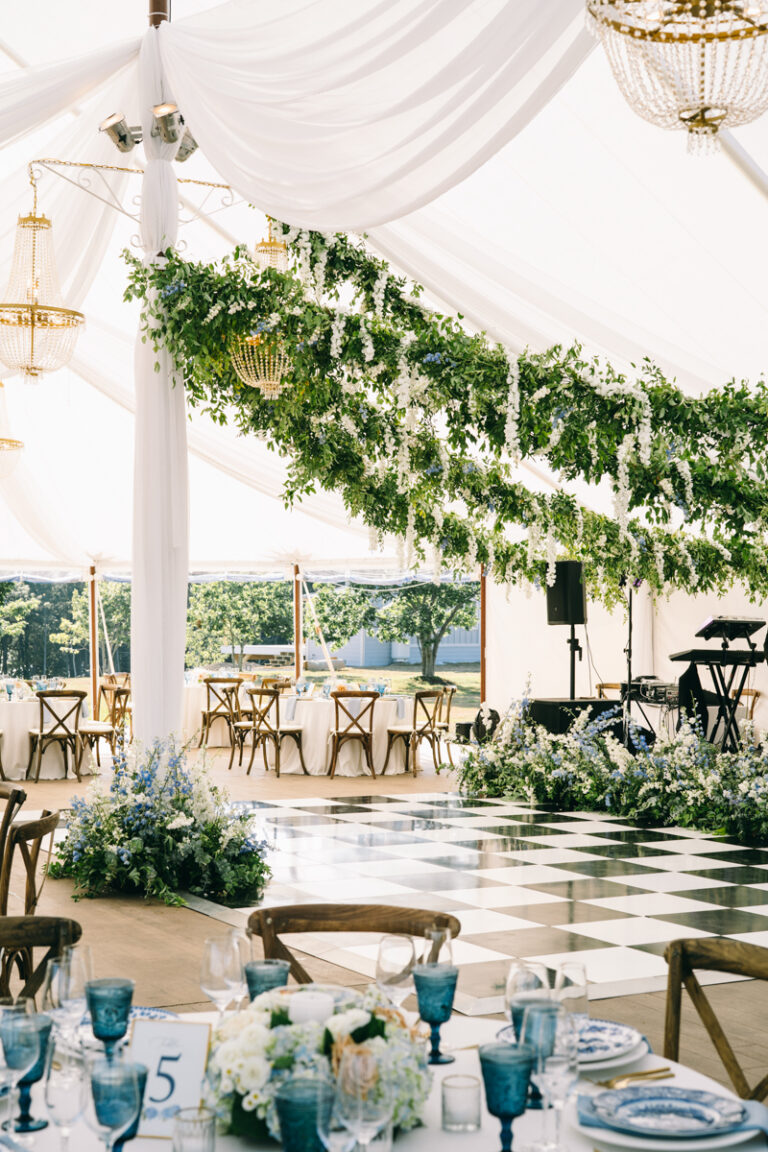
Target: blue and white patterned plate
{"points": [[605, 1040], [648, 1110]]}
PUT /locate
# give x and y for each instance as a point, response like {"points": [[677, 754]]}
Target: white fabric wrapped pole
{"points": [[160, 516]]}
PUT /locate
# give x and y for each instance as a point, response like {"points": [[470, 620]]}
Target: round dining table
{"points": [[17, 718], [460, 1035], [315, 715]]}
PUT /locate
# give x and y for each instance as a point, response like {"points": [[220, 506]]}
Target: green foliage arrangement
{"points": [[681, 780], [162, 829], [420, 424]]}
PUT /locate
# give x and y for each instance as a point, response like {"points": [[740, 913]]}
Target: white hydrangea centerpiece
{"points": [[256, 1050]]}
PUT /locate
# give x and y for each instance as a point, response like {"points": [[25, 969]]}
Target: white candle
{"points": [[304, 1006]]}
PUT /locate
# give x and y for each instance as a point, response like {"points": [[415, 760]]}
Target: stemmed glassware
{"points": [[109, 1003], [571, 990], [506, 1070], [110, 1099], [553, 1035], [362, 1102], [21, 1037], [435, 990], [527, 982], [63, 1080], [394, 967], [221, 972], [334, 1134], [63, 995]]}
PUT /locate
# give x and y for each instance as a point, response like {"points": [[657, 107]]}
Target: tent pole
{"points": [[158, 12], [94, 635], [298, 663], [483, 607]]}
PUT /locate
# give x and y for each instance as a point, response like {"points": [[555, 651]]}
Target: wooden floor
{"points": [[160, 947]]}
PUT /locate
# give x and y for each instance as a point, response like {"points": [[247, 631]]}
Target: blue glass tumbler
{"points": [[263, 975], [42, 1025], [506, 1070], [109, 1003], [435, 989], [302, 1102], [142, 1072]]}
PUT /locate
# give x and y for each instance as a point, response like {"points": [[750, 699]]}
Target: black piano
{"points": [[728, 667]]}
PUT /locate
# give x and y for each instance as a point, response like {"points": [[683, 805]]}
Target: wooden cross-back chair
{"points": [[14, 798], [93, 731], [19, 935], [713, 955], [59, 724], [280, 683], [221, 703], [443, 722], [264, 727], [423, 727], [352, 723], [23, 846], [271, 923]]}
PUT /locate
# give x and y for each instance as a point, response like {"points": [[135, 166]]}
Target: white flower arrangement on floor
{"points": [[257, 1049]]}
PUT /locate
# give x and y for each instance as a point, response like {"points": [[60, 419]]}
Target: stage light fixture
{"points": [[122, 136], [187, 147], [169, 123]]}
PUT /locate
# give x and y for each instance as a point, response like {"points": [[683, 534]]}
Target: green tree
{"points": [[16, 607], [226, 613], [116, 600], [427, 611], [341, 613], [73, 634]]}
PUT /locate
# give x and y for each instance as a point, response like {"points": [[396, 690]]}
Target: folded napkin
{"points": [[401, 707], [290, 707], [756, 1117]]}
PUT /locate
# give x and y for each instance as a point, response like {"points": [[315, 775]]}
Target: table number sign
{"points": [[176, 1054]]}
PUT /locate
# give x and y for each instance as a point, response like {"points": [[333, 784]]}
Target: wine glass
{"points": [[21, 1036], [63, 994], [363, 1103], [236, 979], [109, 1098], [437, 946], [572, 991], [538, 1031], [64, 1076], [221, 971], [109, 1003], [506, 1070], [333, 1133], [527, 982], [394, 967], [435, 990], [553, 1076]]}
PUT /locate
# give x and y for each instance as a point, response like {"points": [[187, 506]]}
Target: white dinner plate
{"points": [[657, 1143], [668, 1111], [641, 1049], [601, 1040]]}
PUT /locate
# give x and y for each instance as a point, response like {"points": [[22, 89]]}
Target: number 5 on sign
{"points": [[176, 1053]]}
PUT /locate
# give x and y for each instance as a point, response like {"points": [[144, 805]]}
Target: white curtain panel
{"points": [[160, 513], [335, 116]]}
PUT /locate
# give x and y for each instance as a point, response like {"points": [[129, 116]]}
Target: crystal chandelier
{"points": [[10, 449], [272, 251], [699, 65], [261, 362], [37, 333]]}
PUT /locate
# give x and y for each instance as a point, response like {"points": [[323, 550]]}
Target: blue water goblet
{"points": [[26, 1122], [21, 1037], [435, 989], [110, 1098], [303, 1103], [109, 1003], [506, 1070], [142, 1072], [538, 1030], [263, 975]]}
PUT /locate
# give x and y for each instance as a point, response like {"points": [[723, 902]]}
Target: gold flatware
{"points": [[635, 1077]]}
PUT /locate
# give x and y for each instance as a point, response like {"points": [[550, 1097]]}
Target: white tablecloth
{"points": [[17, 718], [316, 717], [460, 1031]]}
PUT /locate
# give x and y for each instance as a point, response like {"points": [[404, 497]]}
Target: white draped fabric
{"points": [[335, 121], [160, 514]]}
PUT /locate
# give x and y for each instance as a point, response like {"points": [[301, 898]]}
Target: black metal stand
{"points": [[627, 703], [575, 647]]}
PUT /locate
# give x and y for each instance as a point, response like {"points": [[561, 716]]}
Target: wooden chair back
{"points": [[221, 696], [750, 697], [27, 838], [350, 722], [276, 683], [114, 701], [449, 691], [713, 955], [602, 689], [271, 923], [19, 935], [265, 705], [426, 711], [14, 798], [60, 713]]}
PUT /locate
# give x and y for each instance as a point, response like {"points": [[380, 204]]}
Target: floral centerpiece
{"points": [[257, 1049], [162, 828]]}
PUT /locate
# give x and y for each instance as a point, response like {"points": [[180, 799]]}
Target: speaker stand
{"points": [[627, 706], [575, 647]]}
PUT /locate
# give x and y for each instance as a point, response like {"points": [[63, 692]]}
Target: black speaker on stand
{"points": [[567, 604]]}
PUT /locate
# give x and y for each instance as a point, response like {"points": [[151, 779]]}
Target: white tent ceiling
{"points": [[589, 225]]}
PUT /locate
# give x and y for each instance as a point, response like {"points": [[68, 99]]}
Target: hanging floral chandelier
{"points": [[261, 362], [37, 333], [272, 252], [699, 65]]}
